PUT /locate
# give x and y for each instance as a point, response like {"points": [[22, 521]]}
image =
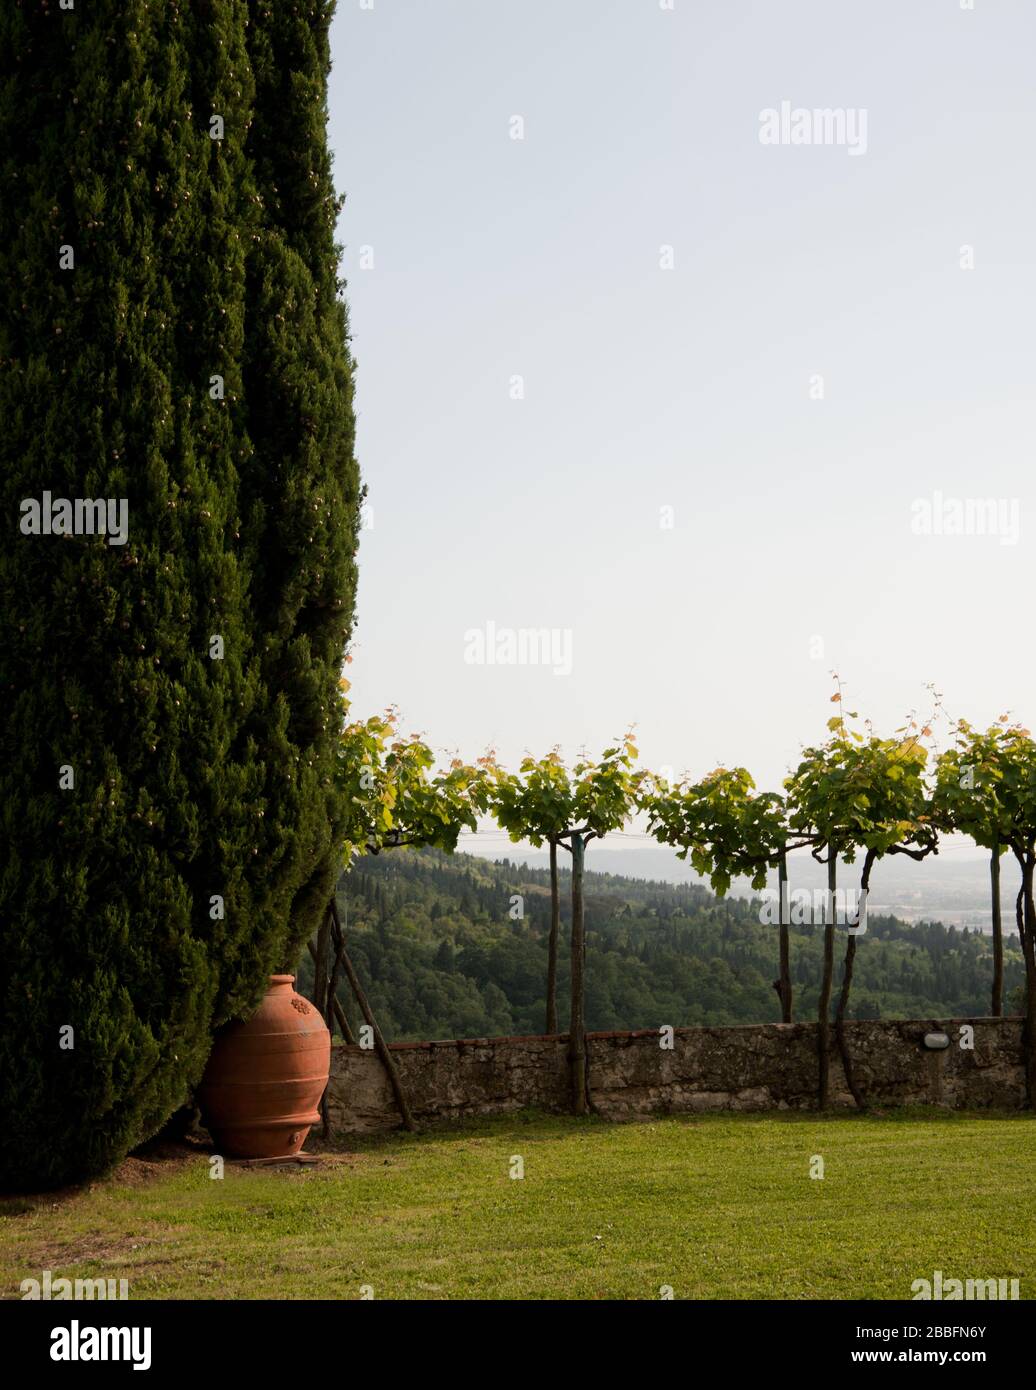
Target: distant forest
{"points": [[440, 954]]}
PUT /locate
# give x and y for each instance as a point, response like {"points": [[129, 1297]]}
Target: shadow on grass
{"points": [[534, 1123], [160, 1158]]}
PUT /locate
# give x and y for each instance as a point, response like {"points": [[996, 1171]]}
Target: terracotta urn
{"points": [[262, 1086]]}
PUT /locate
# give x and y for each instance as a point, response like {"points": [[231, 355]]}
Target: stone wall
{"points": [[770, 1066]]}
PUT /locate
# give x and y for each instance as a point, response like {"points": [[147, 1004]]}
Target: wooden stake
{"points": [[320, 967], [332, 1010], [388, 1061], [784, 982], [332, 989], [339, 1012], [577, 1026]]}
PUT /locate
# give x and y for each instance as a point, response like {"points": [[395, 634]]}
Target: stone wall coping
{"points": [[697, 1028]]}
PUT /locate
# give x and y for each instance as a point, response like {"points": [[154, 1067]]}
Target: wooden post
{"points": [[339, 1012], [332, 988], [998, 934], [552, 942], [333, 1010], [577, 1021], [1027, 933], [824, 1004], [320, 967], [388, 1061], [784, 984]]}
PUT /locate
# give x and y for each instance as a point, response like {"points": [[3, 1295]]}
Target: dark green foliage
{"points": [[194, 777], [657, 953]]}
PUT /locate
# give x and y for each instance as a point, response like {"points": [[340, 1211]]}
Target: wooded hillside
{"points": [[433, 939]]}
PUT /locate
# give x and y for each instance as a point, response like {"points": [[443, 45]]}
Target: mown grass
{"points": [[716, 1207]]}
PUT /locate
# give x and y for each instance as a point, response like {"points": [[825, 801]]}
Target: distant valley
{"points": [[951, 887], [456, 946]]}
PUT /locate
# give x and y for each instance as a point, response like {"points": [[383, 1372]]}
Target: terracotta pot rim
{"points": [[282, 979]]}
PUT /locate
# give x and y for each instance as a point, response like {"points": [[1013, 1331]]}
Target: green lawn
{"points": [[716, 1207]]}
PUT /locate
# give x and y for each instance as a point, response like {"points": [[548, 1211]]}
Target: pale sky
{"points": [[689, 388]]}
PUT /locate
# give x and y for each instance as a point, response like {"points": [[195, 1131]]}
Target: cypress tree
{"points": [[171, 334]]}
